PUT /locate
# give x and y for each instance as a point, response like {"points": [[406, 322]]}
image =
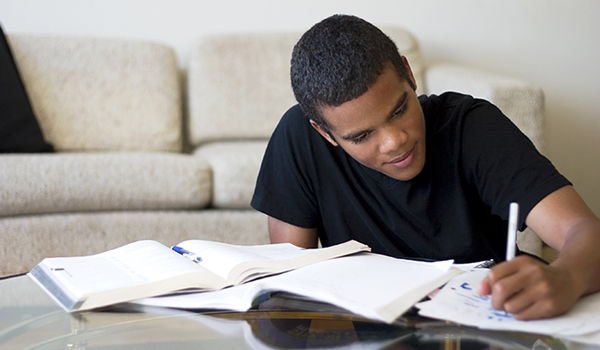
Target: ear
{"points": [[410, 73], [323, 133]]}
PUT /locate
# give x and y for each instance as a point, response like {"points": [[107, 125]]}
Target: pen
{"points": [[511, 239], [187, 253]]}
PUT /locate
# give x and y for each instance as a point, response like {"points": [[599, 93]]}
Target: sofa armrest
{"points": [[518, 99]]}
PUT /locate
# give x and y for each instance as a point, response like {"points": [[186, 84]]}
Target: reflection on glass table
{"points": [[29, 319]]}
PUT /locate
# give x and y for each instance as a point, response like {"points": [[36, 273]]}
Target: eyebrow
{"points": [[399, 104]]}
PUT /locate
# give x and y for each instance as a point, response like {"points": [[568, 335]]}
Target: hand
{"points": [[530, 289]]}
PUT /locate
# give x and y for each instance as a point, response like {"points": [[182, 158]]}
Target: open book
{"points": [[374, 286], [148, 268]]}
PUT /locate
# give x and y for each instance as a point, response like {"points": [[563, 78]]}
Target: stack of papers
{"points": [[459, 302]]}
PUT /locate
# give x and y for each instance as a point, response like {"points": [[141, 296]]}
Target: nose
{"points": [[392, 139]]}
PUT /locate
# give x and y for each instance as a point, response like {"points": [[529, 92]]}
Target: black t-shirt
{"points": [[477, 162]]}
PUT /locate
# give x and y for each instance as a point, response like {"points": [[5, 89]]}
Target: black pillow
{"points": [[19, 129]]}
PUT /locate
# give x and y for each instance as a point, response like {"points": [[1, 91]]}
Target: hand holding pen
{"points": [[523, 286]]}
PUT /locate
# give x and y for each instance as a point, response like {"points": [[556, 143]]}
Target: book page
{"points": [[221, 258], [141, 263], [249, 270], [371, 285], [135, 263], [238, 264]]}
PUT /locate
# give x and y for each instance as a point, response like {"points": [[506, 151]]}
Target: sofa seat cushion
{"points": [[71, 182], [99, 94], [235, 167]]}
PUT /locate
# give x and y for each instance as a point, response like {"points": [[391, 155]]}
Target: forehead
{"points": [[369, 109]]}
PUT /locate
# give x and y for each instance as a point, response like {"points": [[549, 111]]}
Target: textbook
{"points": [[148, 268], [374, 286]]}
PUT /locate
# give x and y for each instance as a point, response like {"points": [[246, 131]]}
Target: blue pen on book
{"points": [[187, 253]]}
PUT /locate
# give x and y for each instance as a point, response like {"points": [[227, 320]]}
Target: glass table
{"points": [[29, 319]]}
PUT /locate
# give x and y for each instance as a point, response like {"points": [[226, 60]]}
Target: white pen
{"points": [[511, 238], [187, 253]]}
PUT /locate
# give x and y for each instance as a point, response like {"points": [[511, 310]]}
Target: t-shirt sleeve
{"points": [[284, 189], [503, 164]]}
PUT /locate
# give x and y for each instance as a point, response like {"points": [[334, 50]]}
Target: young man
{"points": [[363, 157]]}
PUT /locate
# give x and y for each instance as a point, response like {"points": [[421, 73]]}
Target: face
{"points": [[384, 129]]}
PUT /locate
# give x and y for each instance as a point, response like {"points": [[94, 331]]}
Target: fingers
{"points": [[526, 304], [484, 287], [538, 303], [507, 282]]}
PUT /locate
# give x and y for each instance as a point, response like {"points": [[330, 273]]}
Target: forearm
{"points": [[567, 224], [580, 254]]}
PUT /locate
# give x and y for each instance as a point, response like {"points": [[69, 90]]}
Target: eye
{"points": [[400, 111], [361, 137]]}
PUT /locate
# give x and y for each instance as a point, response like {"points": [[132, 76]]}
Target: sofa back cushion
{"points": [[239, 84], [102, 94]]}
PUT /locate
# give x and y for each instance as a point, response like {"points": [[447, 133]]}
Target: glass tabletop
{"points": [[29, 319]]}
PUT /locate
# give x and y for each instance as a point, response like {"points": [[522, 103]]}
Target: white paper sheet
{"points": [[460, 302]]}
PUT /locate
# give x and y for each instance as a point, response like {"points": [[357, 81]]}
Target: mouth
{"points": [[404, 160]]}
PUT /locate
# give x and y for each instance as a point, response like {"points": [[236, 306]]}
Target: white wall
{"points": [[554, 43]]}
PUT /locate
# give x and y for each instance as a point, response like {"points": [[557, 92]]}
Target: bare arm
{"points": [[531, 290], [282, 232]]}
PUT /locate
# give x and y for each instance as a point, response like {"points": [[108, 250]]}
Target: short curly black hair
{"points": [[338, 60]]}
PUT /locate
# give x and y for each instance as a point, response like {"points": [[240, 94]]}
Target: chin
{"points": [[403, 177], [406, 174]]}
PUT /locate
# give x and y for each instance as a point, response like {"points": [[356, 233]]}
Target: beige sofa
{"points": [[147, 150]]}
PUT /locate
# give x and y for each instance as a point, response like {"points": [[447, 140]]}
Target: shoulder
{"points": [[293, 125], [294, 118], [293, 114], [295, 133], [465, 115], [476, 125], [454, 104], [448, 101]]}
